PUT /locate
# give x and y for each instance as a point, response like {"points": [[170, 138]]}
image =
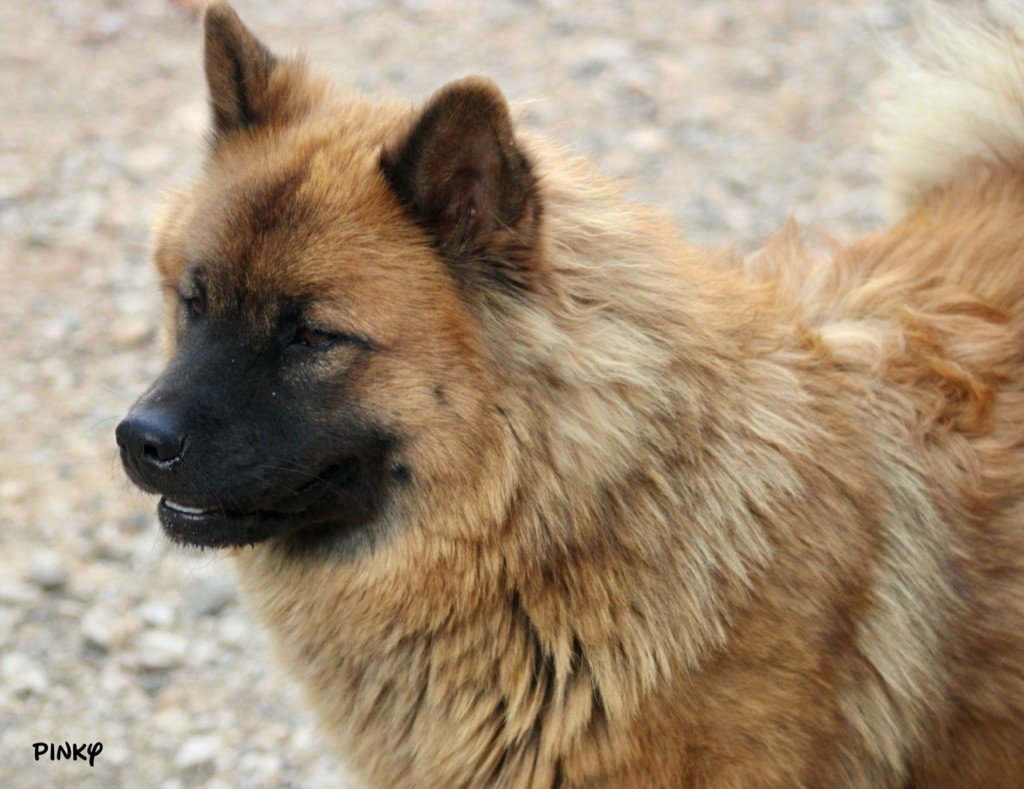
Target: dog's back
{"points": [[936, 306]]}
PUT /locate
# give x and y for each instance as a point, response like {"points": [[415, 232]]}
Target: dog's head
{"points": [[323, 285]]}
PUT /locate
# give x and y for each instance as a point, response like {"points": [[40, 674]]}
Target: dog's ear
{"points": [[248, 84], [461, 174]]}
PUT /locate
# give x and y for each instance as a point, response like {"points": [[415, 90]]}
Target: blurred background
{"points": [[730, 115]]}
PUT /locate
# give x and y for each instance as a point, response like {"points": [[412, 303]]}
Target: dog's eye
{"points": [[194, 304], [312, 338]]}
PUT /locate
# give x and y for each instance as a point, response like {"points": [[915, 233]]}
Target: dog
{"points": [[530, 492]]}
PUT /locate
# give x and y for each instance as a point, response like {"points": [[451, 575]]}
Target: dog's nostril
{"points": [[161, 452]]}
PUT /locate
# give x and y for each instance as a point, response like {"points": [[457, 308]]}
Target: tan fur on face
{"points": [[668, 524]]}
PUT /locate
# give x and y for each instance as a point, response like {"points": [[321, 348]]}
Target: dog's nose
{"points": [[152, 438]]}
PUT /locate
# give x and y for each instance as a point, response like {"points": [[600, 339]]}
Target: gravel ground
{"points": [[729, 114]]}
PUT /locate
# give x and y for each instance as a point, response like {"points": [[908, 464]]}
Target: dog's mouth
{"points": [[337, 495]]}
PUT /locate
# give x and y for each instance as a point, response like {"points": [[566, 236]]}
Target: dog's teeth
{"points": [[182, 508]]}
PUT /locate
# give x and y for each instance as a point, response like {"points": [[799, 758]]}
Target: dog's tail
{"points": [[958, 100]]}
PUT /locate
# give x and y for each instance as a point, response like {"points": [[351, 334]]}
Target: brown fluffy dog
{"points": [[533, 494]]}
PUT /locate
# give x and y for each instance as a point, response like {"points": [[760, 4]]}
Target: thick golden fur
{"points": [[669, 523]]}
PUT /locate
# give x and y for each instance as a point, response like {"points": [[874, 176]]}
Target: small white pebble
{"points": [[48, 570], [196, 751], [22, 675], [159, 649]]}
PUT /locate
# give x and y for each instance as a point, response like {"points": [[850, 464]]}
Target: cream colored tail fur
{"points": [[958, 101]]}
